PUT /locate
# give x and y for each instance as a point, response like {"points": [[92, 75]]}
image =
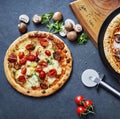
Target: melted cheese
{"points": [[33, 76], [51, 80], [55, 65], [116, 45], [32, 82], [18, 73], [30, 71], [31, 64]]}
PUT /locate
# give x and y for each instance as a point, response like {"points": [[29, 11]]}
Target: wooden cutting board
{"points": [[92, 13]]}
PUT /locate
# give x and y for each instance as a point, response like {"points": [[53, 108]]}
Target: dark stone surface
{"points": [[60, 105]]}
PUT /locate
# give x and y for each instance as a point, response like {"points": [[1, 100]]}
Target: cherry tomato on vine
{"points": [[79, 99], [88, 103], [80, 110]]}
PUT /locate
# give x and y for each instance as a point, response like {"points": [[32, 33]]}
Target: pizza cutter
{"points": [[91, 78]]}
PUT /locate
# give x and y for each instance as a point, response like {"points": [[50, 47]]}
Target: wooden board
{"points": [[92, 13]]}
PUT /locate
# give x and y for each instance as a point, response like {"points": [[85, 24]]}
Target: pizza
{"points": [[37, 63], [111, 43]]}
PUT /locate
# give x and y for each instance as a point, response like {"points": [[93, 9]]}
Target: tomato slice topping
{"points": [[31, 57], [47, 52], [37, 53], [38, 69], [43, 63], [22, 79], [21, 55], [42, 74], [22, 61], [30, 46], [24, 70], [12, 58], [52, 73], [44, 42]]}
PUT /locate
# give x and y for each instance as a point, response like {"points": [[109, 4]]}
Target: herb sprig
{"points": [[47, 17], [55, 26], [82, 39]]}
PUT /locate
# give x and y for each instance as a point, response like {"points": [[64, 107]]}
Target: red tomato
{"points": [[44, 42], [31, 57], [30, 46], [24, 70], [52, 73], [22, 61], [21, 55], [80, 110], [22, 79], [48, 53], [12, 58], [79, 99], [38, 69], [43, 63], [88, 103], [37, 53], [42, 74]]}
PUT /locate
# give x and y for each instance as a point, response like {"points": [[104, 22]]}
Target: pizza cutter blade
{"points": [[91, 78]]}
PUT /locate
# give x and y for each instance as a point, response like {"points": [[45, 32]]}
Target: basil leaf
{"points": [[82, 39], [47, 17]]}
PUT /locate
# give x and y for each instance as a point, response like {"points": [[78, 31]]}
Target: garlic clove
{"points": [[24, 18]]}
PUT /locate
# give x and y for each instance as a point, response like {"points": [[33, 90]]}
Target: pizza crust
{"points": [[43, 92], [108, 43]]}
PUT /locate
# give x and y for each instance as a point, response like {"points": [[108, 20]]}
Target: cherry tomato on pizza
{"points": [[44, 42], [37, 53], [42, 74], [47, 52], [43, 63], [12, 58], [22, 79], [22, 61], [52, 73], [31, 57], [38, 69], [24, 70], [21, 55], [30, 47]]}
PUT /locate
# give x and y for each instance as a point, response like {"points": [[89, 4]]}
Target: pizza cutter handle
{"points": [[114, 91]]}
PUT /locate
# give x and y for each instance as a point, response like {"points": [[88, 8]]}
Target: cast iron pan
{"points": [[100, 42]]}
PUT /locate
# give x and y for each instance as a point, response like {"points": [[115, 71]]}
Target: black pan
{"points": [[100, 42]]}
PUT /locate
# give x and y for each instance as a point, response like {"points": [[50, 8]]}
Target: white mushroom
{"points": [[68, 26], [78, 28], [36, 19], [22, 27], [57, 16], [63, 33], [68, 22], [24, 18], [72, 35]]}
